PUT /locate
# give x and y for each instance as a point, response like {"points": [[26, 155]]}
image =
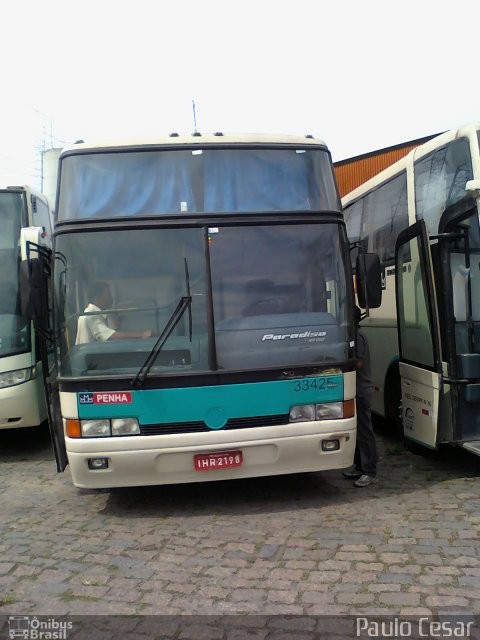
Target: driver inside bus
{"points": [[94, 327]]}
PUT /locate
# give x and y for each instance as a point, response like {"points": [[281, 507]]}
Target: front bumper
{"points": [[157, 460], [23, 405]]}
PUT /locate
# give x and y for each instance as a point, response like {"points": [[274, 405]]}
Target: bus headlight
{"points": [[323, 411], [302, 413], [125, 427], [95, 428], [11, 378], [329, 410]]}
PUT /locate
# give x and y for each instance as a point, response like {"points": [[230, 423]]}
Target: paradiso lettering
{"points": [[319, 335], [106, 397]]}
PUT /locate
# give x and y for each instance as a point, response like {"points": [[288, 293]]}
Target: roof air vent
{"points": [[174, 134]]}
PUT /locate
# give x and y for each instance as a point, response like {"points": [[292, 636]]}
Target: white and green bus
{"points": [[25, 217], [421, 216], [203, 311]]}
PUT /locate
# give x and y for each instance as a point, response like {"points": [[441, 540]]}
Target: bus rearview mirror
{"points": [[369, 281], [33, 300]]}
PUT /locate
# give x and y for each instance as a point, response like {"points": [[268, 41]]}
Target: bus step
{"points": [[473, 446]]}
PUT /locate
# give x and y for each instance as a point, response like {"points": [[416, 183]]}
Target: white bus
{"points": [[25, 216], [421, 216], [221, 264]]}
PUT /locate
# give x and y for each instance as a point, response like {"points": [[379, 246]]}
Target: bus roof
{"points": [[414, 155], [197, 139]]}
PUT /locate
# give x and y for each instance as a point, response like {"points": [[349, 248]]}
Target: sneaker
{"points": [[364, 480], [352, 474]]}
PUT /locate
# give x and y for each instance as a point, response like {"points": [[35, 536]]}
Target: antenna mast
{"points": [[194, 116]]}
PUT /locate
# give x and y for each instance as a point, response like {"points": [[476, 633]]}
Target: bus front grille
{"points": [[198, 427]]}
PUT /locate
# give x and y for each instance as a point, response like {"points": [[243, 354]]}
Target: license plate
{"points": [[218, 460]]}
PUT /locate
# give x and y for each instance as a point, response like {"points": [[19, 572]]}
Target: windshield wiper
{"points": [[189, 295], [184, 303]]}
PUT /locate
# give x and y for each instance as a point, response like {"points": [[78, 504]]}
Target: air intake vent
{"points": [[199, 427]]}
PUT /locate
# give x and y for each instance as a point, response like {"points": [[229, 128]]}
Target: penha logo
{"points": [[85, 398], [105, 397]]}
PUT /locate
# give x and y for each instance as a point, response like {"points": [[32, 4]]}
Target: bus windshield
{"points": [[14, 330], [186, 181], [262, 296]]}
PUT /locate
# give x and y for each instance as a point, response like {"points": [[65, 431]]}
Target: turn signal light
{"points": [[73, 428], [349, 408]]}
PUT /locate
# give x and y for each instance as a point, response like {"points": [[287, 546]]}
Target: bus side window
{"points": [[440, 179], [385, 214], [353, 219]]}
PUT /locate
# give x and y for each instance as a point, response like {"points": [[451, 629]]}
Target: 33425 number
{"points": [[314, 383]]}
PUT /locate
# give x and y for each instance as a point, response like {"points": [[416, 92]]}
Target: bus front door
{"points": [[461, 265], [418, 336]]}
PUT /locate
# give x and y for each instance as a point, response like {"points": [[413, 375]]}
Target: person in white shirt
{"points": [[94, 327]]}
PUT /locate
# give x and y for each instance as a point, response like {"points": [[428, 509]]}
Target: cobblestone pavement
{"points": [[303, 544]]}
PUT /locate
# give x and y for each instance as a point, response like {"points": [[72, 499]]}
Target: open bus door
{"points": [[460, 264], [35, 293], [418, 336]]}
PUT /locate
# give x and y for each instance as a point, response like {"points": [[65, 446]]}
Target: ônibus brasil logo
{"points": [[35, 629]]}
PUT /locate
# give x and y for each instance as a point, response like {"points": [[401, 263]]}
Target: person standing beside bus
{"points": [[364, 471]]}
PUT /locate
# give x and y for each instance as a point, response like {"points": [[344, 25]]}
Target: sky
{"points": [[360, 75]]}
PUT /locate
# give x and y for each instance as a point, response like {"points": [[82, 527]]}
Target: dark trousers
{"points": [[366, 449]]}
